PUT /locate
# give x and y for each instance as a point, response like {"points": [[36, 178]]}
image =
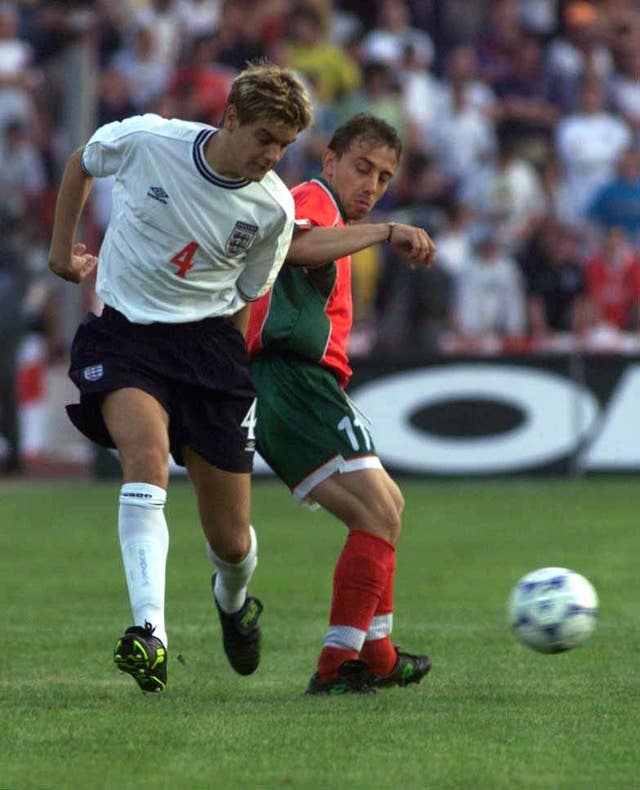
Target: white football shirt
{"points": [[184, 243]]}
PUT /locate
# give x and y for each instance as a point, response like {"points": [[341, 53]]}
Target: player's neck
{"points": [[220, 157]]}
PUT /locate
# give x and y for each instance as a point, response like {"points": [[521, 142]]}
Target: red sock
{"points": [[379, 653], [360, 578]]}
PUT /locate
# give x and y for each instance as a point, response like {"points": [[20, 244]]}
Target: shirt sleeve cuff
{"points": [[83, 167], [245, 297]]}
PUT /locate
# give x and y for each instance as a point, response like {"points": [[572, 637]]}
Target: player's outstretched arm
{"points": [[316, 246], [68, 259]]}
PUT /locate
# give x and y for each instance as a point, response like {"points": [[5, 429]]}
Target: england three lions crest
{"points": [[241, 238]]}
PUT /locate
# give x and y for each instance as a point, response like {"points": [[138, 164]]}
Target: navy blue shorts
{"points": [[199, 373]]}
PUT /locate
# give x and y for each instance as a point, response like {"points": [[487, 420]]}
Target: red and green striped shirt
{"points": [[308, 312]]}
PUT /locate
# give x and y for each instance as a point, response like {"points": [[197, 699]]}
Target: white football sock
{"points": [[232, 580], [380, 627], [144, 540]]}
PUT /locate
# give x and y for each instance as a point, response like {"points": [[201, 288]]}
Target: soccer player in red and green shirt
{"points": [[308, 429]]}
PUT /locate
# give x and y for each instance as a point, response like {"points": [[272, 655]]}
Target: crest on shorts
{"points": [[241, 238], [93, 373]]}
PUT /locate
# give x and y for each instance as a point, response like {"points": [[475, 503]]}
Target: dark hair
{"points": [[365, 128]]}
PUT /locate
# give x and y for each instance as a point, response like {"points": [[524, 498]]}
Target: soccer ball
{"points": [[553, 609]]}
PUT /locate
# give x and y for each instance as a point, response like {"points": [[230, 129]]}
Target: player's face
{"points": [[256, 147], [360, 176]]}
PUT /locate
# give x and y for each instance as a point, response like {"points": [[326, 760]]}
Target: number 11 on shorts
{"points": [[348, 427]]}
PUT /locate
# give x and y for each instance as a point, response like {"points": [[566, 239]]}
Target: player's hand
{"points": [[414, 243], [80, 266]]}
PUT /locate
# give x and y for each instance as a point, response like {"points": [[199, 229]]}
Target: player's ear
{"points": [[329, 159], [230, 120]]}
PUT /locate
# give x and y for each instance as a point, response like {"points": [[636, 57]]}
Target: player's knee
{"points": [[384, 519], [146, 463], [231, 550], [231, 542]]}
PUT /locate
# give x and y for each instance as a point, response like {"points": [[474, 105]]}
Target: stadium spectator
{"points": [[490, 302], [54, 27], [199, 87], [387, 43], [612, 277], [617, 203], [422, 194], [422, 93], [269, 18], [15, 54], [114, 100], [539, 17], [405, 309], [22, 176], [579, 53], [552, 267], [17, 77], [308, 430], [461, 77], [507, 194], [331, 71], [138, 63], [164, 367], [498, 40], [625, 81], [200, 18], [463, 141], [237, 38], [588, 143], [556, 189], [414, 309], [622, 22], [165, 18], [380, 95], [525, 112], [450, 24], [346, 27], [454, 238]]}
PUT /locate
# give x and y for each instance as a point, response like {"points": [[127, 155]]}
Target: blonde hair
{"points": [[266, 91]]}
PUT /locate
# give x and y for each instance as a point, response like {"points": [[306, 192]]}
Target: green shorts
{"points": [[307, 427]]}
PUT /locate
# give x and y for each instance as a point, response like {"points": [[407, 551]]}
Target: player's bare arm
{"points": [[70, 260], [315, 246]]}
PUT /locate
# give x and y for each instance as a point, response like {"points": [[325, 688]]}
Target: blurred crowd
{"points": [[520, 121]]}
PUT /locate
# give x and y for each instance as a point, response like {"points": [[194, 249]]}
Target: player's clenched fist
{"points": [[78, 267], [414, 243]]}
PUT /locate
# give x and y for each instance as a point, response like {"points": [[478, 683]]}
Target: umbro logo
{"points": [[158, 193]]}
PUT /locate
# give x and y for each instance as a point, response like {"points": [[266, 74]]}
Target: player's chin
{"points": [[358, 212], [256, 172]]}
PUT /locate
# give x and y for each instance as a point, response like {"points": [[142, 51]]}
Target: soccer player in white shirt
{"points": [[200, 227]]}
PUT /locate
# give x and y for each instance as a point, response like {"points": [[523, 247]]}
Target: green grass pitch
{"points": [[492, 714]]}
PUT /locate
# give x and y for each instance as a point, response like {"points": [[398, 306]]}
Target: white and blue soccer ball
{"points": [[553, 609]]}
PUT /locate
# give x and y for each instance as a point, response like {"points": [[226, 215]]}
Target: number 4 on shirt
{"points": [[184, 259]]}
